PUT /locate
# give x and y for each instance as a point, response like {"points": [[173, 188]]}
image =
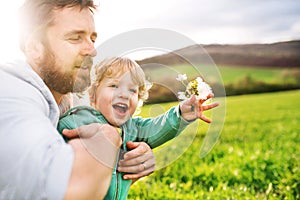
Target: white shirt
{"points": [[35, 161]]}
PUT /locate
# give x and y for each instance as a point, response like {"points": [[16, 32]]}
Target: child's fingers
{"points": [[210, 106], [203, 118], [209, 96]]}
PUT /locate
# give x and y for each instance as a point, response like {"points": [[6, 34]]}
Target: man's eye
{"points": [[74, 39]]}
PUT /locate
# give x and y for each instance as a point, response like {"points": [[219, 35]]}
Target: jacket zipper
{"points": [[117, 173], [117, 190]]}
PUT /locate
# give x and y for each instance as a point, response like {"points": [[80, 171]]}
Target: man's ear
{"points": [[34, 48]]}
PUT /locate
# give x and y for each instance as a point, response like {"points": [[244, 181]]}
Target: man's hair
{"points": [[36, 15]]}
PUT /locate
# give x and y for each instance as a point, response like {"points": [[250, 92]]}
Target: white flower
{"points": [[199, 79], [203, 89], [196, 87], [182, 96], [181, 77]]}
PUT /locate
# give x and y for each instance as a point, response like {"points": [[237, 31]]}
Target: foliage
{"points": [[236, 80], [257, 156], [248, 85]]}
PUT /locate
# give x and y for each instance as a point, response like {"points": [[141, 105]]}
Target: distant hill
{"points": [[281, 54]]}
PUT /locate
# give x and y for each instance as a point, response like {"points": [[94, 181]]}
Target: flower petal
{"points": [[181, 96], [181, 77]]}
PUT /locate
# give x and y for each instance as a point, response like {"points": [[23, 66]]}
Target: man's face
{"points": [[68, 50]]}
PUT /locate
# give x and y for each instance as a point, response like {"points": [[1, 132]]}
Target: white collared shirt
{"points": [[35, 161]]}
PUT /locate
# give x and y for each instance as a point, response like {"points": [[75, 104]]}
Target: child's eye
{"points": [[133, 90], [114, 86]]}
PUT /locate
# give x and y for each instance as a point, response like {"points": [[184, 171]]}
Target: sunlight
{"points": [[9, 48]]}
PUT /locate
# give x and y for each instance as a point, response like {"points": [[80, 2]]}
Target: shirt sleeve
{"points": [[158, 130], [36, 163]]}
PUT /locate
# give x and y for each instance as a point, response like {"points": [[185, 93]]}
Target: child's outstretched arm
{"points": [[192, 109]]}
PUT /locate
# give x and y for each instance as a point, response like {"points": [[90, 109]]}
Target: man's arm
{"points": [[141, 152], [95, 155], [131, 163]]}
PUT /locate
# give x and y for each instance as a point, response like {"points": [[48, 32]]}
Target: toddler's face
{"points": [[117, 98]]}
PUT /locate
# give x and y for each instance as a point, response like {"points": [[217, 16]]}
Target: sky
{"points": [[205, 22]]}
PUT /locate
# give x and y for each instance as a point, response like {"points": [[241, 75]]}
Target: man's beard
{"points": [[62, 82]]}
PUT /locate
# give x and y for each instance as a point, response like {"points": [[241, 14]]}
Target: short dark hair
{"points": [[36, 14]]}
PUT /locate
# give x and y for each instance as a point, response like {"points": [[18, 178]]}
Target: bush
{"points": [[245, 85]]}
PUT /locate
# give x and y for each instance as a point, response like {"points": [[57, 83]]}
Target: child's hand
{"points": [[192, 108]]}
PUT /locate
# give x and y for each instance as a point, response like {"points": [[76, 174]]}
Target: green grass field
{"points": [[257, 155], [269, 75]]}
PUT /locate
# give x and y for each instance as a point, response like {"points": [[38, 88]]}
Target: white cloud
{"points": [[218, 21], [295, 28]]}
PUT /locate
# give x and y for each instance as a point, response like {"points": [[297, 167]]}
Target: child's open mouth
{"points": [[122, 108]]}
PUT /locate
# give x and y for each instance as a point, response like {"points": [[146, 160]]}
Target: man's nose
{"points": [[88, 49]]}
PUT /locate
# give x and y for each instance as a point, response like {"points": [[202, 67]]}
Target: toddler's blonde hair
{"points": [[116, 67]]}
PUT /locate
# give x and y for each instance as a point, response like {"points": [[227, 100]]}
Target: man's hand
{"points": [[102, 141], [138, 162]]}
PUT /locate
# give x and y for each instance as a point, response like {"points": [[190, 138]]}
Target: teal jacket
{"points": [[153, 131]]}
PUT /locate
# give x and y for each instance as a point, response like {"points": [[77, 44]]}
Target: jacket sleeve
{"points": [[158, 130], [79, 116]]}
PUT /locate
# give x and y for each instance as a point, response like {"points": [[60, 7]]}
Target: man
{"points": [[57, 39]]}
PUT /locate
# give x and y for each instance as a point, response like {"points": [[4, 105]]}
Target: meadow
{"points": [[256, 157], [266, 74]]}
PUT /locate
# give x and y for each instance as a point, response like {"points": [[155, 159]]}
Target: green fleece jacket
{"points": [[153, 131]]}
